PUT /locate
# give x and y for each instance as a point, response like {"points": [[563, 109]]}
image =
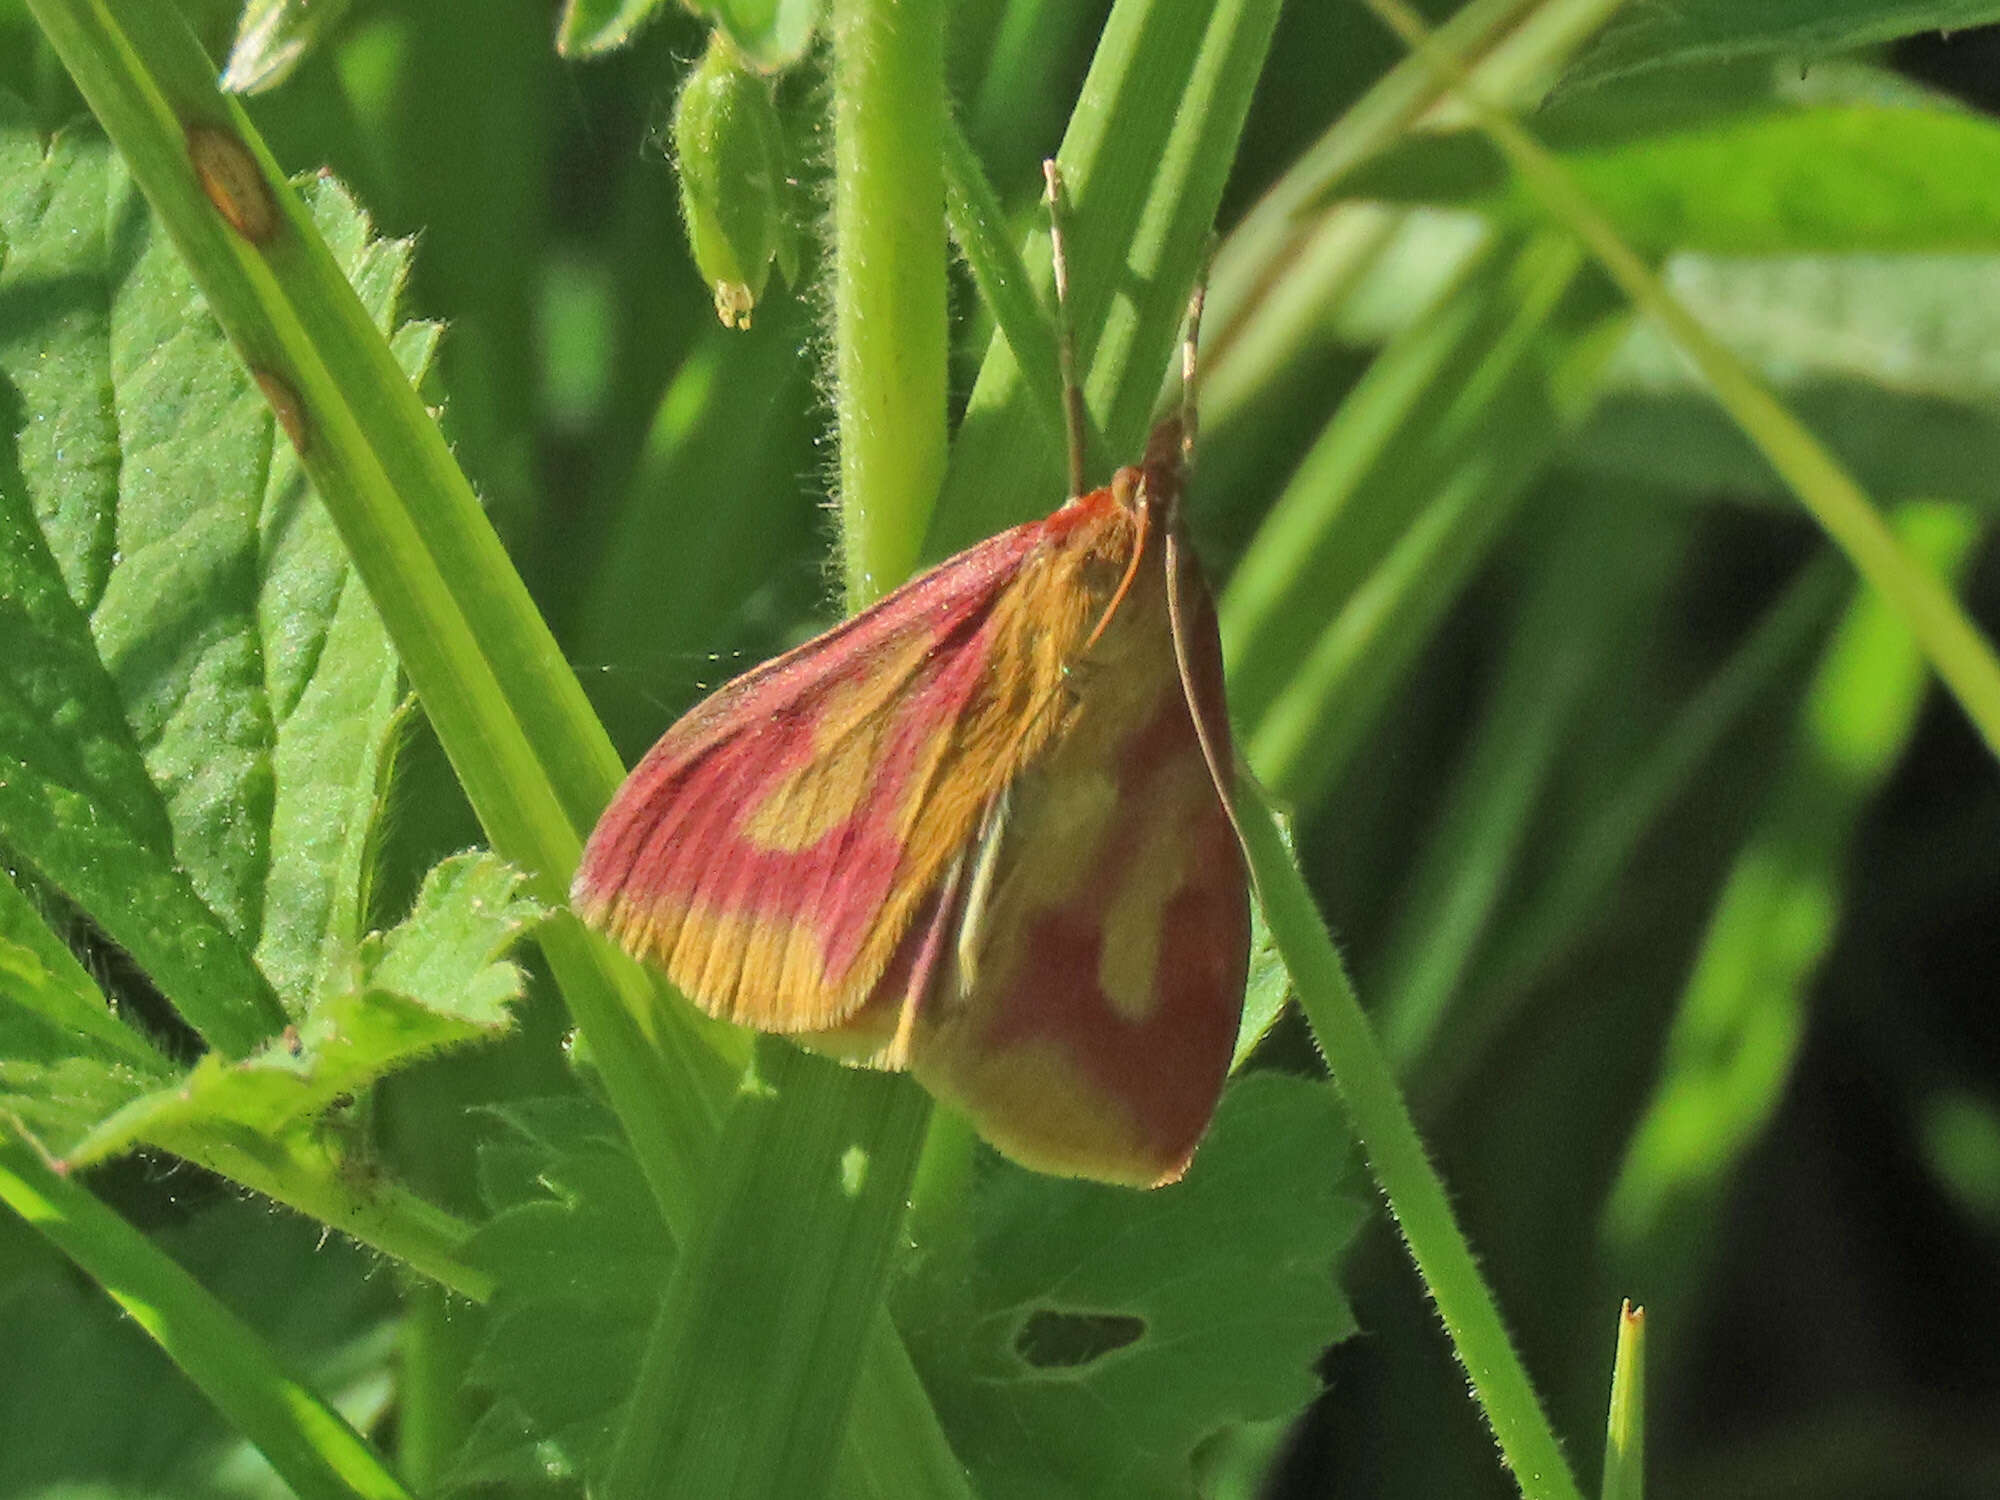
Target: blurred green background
{"points": [[1672, 881]]}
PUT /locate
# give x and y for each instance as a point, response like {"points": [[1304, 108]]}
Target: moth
{"points": [[982, 830]]}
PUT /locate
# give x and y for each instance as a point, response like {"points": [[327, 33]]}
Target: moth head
{"points": [[1153, 485]]}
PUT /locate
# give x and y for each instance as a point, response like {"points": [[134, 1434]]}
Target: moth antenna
{"points": [[1072, 393], [1190, 362]]}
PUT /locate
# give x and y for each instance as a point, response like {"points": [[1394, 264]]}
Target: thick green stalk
{"points": [[890, 336]]}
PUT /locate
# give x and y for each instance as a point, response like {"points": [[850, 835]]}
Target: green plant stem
{"points": [[979, 227], [1144, 161], [1396, 1159], [890, 333], [387, 1217], [313, 1450], [1957, 651], [747, 1379]]}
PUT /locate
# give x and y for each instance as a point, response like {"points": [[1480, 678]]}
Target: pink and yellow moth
{"points": [[981, 830]]}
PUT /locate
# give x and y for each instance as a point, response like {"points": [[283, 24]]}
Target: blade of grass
{"points": [[1511, 44], [1144, 160], [1957, 650], [1396, 1158], [1317, 537], [979, 226], [1625, 1421], [1459, 480], [753, 1360], [313, 1450]]}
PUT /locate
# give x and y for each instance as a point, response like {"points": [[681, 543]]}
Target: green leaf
{"points": [[78, 800], [1100, 1334], [1887, 358], [437, 981], [1269, 987], [199, 702], [771, 33], [589, 27], [1643, 37], [576, 1245], [1625, 1419], [274, 37], [146, 1429], [1769, 181], [65, 1060]]}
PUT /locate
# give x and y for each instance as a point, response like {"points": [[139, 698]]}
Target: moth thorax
{"points": [[1147, 494], [1126, 486]]}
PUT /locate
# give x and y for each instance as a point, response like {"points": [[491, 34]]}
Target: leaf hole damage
{"points": [[1063, 1339]]}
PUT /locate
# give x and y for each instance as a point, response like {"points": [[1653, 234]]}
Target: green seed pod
{"points": [[731, 156]]}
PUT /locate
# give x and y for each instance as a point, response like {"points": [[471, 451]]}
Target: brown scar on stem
{"points": [[285, 406], [233, 182]]}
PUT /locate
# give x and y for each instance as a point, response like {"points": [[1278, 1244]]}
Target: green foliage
{"points": [[107, 1408], [1662, 925], [1216, 1320], [434, 982], [577, 1249], [274, 36], [1167, 1316], [1662, 36]]}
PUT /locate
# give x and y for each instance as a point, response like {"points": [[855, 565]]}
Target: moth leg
{"points": [[979, 896], [925, 971]]}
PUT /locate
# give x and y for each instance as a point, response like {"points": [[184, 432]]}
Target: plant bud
{"points": [[730, 153]]}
